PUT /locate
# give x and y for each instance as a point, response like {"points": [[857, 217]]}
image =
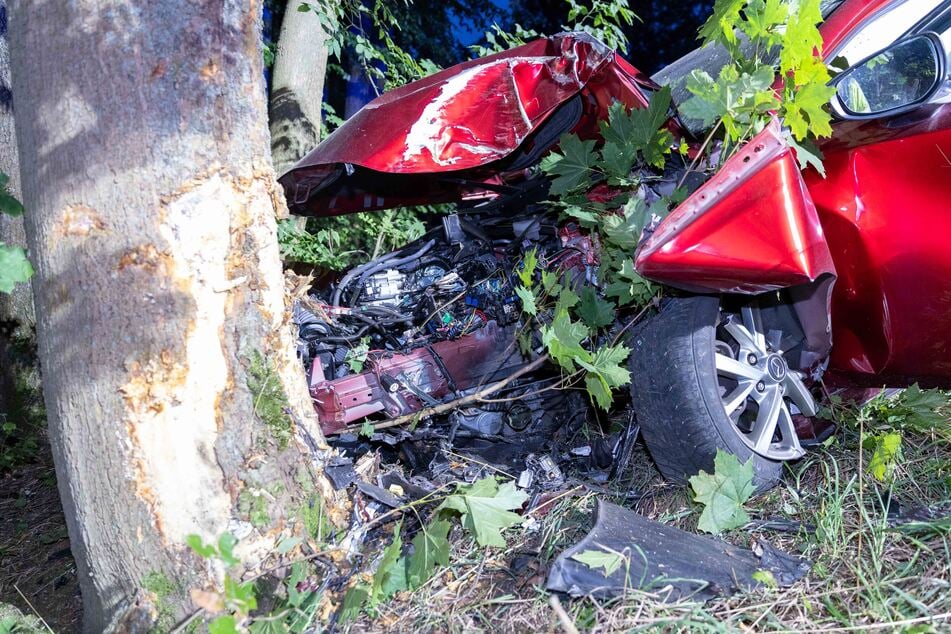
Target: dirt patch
{"points": [[35, 558]]}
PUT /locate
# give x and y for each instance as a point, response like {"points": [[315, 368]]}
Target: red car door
{"points": [[884, 206]]}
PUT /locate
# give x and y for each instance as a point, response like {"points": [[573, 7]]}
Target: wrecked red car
{"points": [[782, 276]]}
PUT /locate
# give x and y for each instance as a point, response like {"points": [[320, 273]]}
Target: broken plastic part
{"points": [[666, 560]]}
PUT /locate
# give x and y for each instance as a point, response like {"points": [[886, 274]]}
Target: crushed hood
{"points": [[442, 135]]}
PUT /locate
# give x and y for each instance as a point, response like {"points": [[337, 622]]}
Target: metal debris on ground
{"points": [[627, 551]]}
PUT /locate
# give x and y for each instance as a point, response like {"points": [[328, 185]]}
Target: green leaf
{"points": [[628, 286], [357, 355], [762, 19], [921, 407], [609, 562], [723, 493], [527, 273], [606, 373], [887, 451], [563, 340], [486, 509], [573, 167], [298, 574], [567, 299], [239, 597], [721, 25], [430, 549], [528, 300], [807, 153], [15, 267], [223, 625], [367, 429], [354, 601], [805, 111], [226, 544], [390, 577], [593, 310], [624, 230], [640, 130], [206, 551], [766, 578]]}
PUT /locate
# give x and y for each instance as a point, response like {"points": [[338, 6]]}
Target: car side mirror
{"points": [[893, 80]]}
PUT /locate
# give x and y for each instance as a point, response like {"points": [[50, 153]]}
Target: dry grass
{"points": [[866, 576]]}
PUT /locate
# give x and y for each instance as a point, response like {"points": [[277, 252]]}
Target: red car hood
{"points": [[440, 133]]}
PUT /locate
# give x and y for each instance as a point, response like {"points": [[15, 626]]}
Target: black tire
{"points": [[676, 396]]}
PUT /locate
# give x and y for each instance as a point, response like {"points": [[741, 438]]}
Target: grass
{"points": [[867, 576]]}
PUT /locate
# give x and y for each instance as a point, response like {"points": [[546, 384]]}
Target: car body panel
{"points": [[457, 121], [884, 205], [750, 229]]}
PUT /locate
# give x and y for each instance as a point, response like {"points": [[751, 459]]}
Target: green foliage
{"points": [[339, 242], [603, 19], [357, 355], [223, 551], [723, 493], [914, 409], [607, 561], [886, 452], [23, 425], [430, 550], [270, 401], [742, 95], [486, 509], [15, 267]]}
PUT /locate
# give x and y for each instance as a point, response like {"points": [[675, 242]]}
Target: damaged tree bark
{"points": [[297, 86], [170, 375]]}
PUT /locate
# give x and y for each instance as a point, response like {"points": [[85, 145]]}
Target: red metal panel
{"points": [[461, 120], [752, 228], [884, 205]]}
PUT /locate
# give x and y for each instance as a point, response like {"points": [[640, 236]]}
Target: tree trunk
{"points": [[161, 309], [16, 309], [297, 86]]}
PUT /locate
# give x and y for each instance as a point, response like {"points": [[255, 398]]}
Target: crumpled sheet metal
{"points": [[752, 228], [461, 118], [665, 560]]}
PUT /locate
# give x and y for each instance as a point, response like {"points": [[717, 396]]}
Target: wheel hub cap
{"points": [[776, 367], [759, 387]]}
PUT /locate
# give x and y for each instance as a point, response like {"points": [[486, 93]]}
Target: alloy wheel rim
{"points": [[758, 388]]}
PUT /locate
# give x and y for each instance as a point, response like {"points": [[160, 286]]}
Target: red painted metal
{"points": [[392, 384], [458, 121], [752, 228]]}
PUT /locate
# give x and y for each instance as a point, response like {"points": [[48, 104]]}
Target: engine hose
{"points": [[379, 266], [357, 270]]}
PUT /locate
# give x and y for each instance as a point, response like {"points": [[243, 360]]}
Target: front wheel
{"points": [[705, 378]]}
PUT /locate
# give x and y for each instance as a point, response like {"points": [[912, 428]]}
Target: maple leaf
{"points": [[563, 340], [528, 300], [486, 508], [571, 168], [430, 549], [723, 493], [606, 373], [593, 310]]}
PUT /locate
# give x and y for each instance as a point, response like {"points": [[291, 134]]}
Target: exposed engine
{"points": [[434, 322]]}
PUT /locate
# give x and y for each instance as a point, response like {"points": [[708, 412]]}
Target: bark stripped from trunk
{"points": [[159, 292], [297, 86]]}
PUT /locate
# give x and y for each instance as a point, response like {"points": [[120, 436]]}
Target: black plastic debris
{"points": [[654, 557], [379, 494], [340, 471]]}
